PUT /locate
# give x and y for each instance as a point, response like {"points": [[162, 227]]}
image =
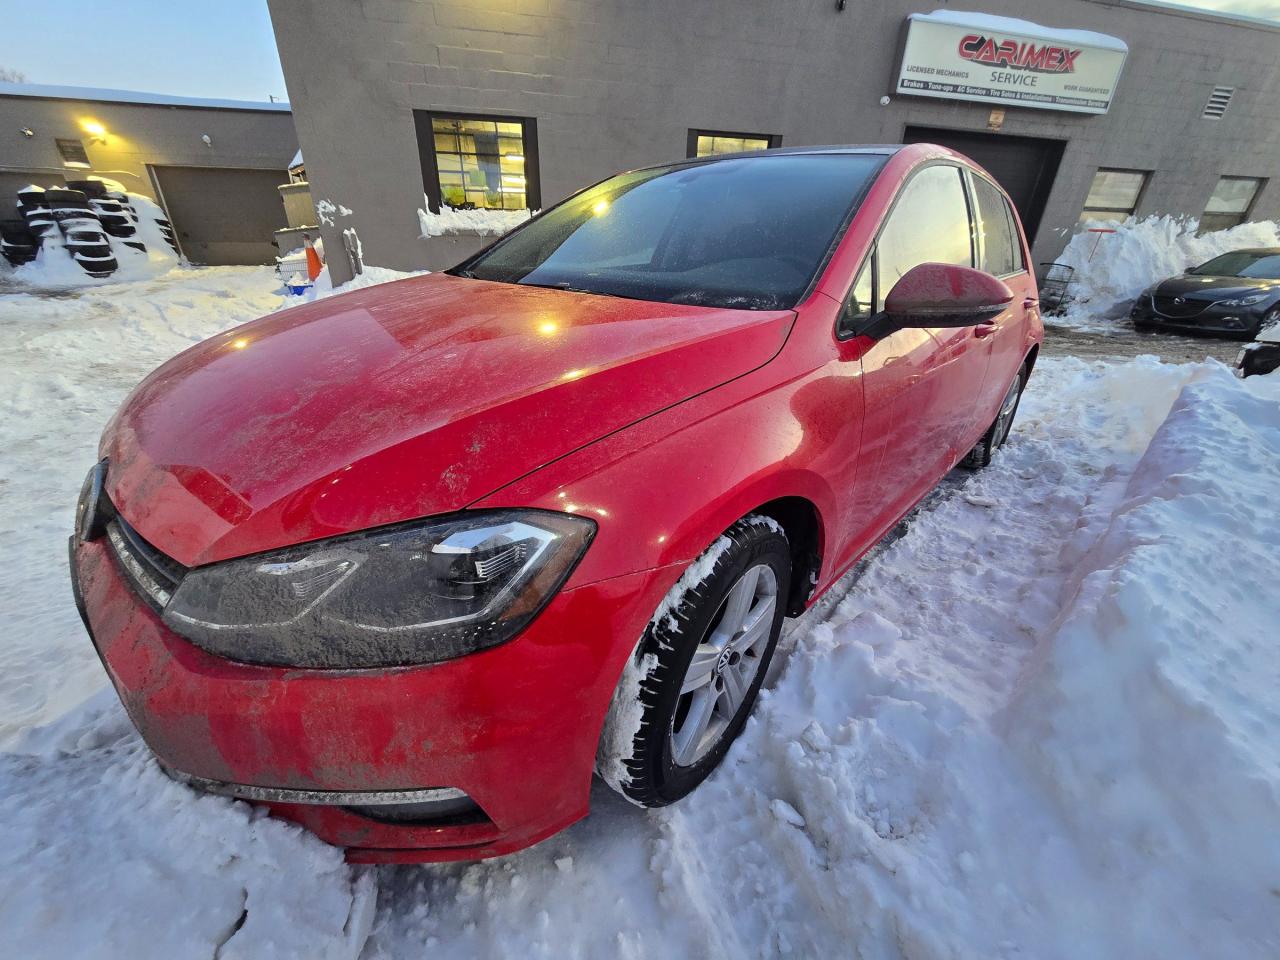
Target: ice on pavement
{"points": [[1041, 723]]}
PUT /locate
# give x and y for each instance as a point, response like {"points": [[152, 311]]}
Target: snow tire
{"points": [[637, 756]]}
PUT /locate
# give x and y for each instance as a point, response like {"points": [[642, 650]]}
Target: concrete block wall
{"points": [[615, 84], [138, 135]]}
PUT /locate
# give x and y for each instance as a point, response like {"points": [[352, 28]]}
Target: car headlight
{"points": [[1244, 301], [394, 596]]}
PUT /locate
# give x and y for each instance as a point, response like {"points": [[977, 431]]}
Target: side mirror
{"points": [[940, 295]]}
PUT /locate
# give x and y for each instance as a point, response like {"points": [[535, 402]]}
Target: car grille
{"points": [[154, 575], [1167, 307]]}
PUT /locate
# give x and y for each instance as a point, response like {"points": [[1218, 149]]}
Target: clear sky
{"points": [[201, 48], [194, 48]]}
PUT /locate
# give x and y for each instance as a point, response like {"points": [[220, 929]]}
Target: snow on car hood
{"points": [[397, 402]]}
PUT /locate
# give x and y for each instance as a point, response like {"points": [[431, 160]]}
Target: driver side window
{"points": [[929, 224]]}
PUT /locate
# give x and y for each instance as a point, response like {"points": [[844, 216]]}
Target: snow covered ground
{"points": [[1041, 723]]}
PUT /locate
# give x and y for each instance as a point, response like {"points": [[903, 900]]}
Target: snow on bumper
{"points": [[515, 727]]}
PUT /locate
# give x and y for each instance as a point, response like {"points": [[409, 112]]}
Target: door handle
{"points": [[1030, 302], [984, 329]]}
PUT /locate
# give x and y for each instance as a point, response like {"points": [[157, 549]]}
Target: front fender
{"points": [[665, 488]]}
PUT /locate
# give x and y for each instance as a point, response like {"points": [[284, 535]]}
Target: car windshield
{"points": [[749, 233], [1242, 263]]}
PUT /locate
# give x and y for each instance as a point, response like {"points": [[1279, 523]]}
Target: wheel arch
{"points": [[1030, 360], [800, 519]]}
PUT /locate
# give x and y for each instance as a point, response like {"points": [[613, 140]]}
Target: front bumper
{"points": [[1236, 323], [514, 727]]}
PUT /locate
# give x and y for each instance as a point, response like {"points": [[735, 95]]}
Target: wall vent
{"points": [[1218, 103]]}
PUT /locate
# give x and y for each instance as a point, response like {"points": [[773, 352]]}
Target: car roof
{"points": [[877, 149]]}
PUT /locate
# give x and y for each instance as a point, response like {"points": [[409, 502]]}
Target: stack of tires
{"points": [[113, 211], [166, 231], [18, 244], [86, 219], [33, 207], [82, 232]]}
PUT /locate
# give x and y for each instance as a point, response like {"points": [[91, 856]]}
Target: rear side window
{"points": [[929, 224], [995, 228], [1019, 256]]}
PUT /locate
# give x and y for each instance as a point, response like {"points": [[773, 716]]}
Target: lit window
{"points": [[1113, 195], [73, 153], [709, 143], [478, 163], [1230, 203]]}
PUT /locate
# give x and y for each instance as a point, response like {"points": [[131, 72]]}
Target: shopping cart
{"points": [[1055, 287]]}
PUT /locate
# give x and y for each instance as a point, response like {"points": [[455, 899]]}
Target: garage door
{"points": [[223, 216], [1024, 166]]}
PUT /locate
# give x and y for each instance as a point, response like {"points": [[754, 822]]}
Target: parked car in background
{"points": [[1232, 295], [1261, 356], [407, 564]]}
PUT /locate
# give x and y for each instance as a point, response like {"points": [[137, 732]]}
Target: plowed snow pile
{"points": [[1042, 723], [1111, 269]]}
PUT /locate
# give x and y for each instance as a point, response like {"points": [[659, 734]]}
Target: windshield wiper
{"points": [[570, 288]]}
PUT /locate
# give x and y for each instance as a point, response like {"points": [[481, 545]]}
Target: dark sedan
{"points": [[1232, 295]]}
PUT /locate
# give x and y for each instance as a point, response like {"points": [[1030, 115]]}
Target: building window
{"points": [[1114, 194], [73, 153], [1230, 203], [478, 162], [709, 143]]}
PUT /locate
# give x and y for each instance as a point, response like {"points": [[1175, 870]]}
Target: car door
{"points": [[963, 352], [919, 388], [1001, 253], [929, 223], [896, 385]]}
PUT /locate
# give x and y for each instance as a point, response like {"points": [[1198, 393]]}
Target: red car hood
{"points": [[400, 401]]}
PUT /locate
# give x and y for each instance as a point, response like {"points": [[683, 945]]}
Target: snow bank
{"points": [[1149, 716], [1111, 269], [372, 276], [483, 223]]}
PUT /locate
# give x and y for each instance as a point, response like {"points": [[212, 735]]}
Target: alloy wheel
{"points": [[724, 666]]}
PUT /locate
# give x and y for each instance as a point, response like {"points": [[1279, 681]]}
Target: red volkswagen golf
{"points": [[408, 564]]}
